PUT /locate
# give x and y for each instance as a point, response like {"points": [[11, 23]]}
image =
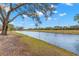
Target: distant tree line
{"points": [[20, 28], [75, 27]]}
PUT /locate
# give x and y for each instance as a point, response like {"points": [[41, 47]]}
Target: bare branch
{"points": [[10, 6], [31, 14], [12, 9], [2, 15], [18, 6], [1, 19]]}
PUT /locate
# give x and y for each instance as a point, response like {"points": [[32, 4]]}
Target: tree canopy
{"points": [[76, 18], [29, 9], [10, 11]]}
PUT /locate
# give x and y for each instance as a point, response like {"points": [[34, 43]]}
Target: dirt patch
{"points": [[10, 45]]}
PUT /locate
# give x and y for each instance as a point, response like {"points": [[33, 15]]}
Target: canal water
{"points": [[66, 41]]}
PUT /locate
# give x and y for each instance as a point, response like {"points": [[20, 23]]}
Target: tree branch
{"points": [[18, 6], [1, 19], [10, 6], [2, 15], [16, 17], [12, 9]]}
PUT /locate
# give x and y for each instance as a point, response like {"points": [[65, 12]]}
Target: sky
{"points": [[63, 16]]}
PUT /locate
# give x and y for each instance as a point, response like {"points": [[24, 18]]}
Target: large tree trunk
{"points": [[4, 27]]}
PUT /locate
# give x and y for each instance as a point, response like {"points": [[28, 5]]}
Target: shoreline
{"points": [[44, 48], [73, 32]]}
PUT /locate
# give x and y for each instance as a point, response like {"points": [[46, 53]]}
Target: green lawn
{"points": [[38, 47]]}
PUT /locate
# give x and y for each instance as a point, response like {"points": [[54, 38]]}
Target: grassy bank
{"points": [[59, 31], [38, 47]]}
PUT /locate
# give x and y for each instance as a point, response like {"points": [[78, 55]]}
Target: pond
{"points": [[67, 41]]}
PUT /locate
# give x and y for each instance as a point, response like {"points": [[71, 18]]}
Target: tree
{"points": [[19, 28], [65, 27], [57, 27], [76, 18], [10, 11], [11, 27]]}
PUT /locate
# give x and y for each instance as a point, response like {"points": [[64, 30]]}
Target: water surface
{"points": [[66, 41]]}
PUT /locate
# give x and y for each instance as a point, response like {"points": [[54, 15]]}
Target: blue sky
{"points": [[64, 16]]}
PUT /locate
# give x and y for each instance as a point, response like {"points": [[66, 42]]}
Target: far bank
{"points": [[58, 31]]}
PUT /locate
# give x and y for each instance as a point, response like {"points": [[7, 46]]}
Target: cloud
{"points": [[62, 14], [49, 19], [55, 12], [69, 4], [25, 16], [39, 13], [52, 6]]}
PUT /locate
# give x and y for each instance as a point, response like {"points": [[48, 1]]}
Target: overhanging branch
{"points": [[16, 17], [12, 9], [1, 19], [18, 6]]}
